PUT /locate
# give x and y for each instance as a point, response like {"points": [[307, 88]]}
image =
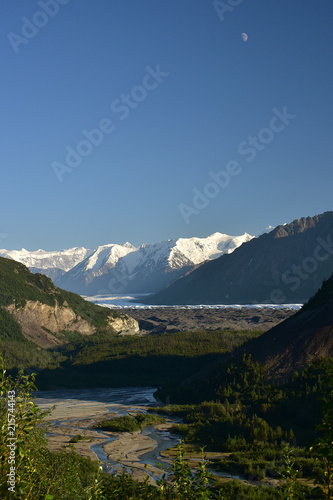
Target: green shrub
{"points": [[130, 424]]}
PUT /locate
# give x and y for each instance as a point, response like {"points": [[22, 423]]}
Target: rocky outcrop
{"points": [[34, 308], [124, 325], [43, 324]]}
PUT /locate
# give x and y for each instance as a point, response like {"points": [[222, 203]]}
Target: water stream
{"points": [[119, 401]]}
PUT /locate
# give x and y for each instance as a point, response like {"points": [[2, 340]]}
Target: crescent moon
{"points": [[244, 36]]}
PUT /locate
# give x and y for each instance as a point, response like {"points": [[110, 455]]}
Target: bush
{"points": [[36, 473], [130, 424]]}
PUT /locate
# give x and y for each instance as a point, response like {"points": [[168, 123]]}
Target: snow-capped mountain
{"points": [[53, 264], [95, 265], [263, 270], [125, 268], [145, 269]]}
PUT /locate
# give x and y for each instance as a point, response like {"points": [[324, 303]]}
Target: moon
{"points": [[245, 37]]}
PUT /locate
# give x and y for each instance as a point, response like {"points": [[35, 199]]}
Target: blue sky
{"points": [[91, 64]]}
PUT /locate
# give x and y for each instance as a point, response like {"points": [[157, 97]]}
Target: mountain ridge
{"points": [[51, 263], [286, 265], [114, 268], [147, 268]]}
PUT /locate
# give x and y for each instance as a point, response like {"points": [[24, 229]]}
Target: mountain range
{"points": [[36, 315], [52, 264], [125, 268], [286, 265]]}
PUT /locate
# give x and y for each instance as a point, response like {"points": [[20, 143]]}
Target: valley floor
{"points": [[167, 319], [72, 417]]}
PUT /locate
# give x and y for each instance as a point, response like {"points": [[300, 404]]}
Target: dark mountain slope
{"points": [[305, 337], [286, 265]]}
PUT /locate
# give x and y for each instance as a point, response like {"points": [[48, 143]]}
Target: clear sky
{"points": [[199, 130]]}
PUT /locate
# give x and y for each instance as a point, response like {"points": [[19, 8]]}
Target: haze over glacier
{"points": [[115, 268]]}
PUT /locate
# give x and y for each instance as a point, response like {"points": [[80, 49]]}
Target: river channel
{"points": [[75, 410]]}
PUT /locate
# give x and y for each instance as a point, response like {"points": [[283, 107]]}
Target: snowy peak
{"points": [[115, 268], [127, 269], [197, 250], [40, 259], [106, 255]]}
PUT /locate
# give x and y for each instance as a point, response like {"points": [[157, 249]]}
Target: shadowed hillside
{"points": [[303, 338]]}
